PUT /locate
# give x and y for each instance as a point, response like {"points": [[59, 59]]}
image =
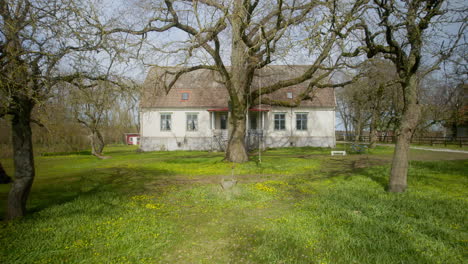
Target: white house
{"points": [[193, 115]]}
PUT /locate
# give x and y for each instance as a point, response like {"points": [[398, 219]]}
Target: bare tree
{"points": [[95, 105], [380, 89], [36, 37], [398, 30], [90, 105], [445, 104], [367, 103], [344, 110], [251, 34]]}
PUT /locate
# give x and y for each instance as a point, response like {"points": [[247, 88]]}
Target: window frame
{"points": [[280, 122], [182, 96], [303, 122], [161, 121], [187, 128]]}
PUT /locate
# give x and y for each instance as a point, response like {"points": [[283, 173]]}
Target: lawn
{"points": [[298, 205]]}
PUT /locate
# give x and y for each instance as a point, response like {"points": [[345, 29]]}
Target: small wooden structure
{"points": [[132, 138]]}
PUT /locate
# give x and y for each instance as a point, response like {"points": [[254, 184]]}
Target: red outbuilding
{"points": [[132, 138]]}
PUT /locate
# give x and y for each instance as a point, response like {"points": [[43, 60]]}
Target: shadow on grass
{"points": [[122, 181], [82, 152], [378, 174]]}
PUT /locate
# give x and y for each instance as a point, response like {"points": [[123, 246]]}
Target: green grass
{"points": [[442, 146], [299, 205]]}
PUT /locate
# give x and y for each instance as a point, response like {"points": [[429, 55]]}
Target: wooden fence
{"points": [[445, 141]]}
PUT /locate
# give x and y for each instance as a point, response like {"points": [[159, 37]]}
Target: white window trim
{"points": [[186, 121], [285, 119], [160, 120], [307, 120]]}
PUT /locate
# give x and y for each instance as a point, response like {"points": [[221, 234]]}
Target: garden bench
{"points": [[338, 152]]}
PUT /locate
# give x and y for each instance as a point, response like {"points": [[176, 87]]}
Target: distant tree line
{"points": [[372, 105], [78, 118]]}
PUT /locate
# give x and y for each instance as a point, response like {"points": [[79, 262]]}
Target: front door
{"points": [[253, 121], [223, 121]]}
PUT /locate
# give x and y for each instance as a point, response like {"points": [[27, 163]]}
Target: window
{"points": [[185, 96], [280, 121], [289, 95], [253, 122], [223, 121], [192, 122], [165, 122], [301, 121]]}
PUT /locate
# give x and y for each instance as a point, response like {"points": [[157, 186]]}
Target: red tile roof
{"points": [[206, 89]]}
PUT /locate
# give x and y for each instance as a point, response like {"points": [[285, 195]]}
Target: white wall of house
{"points": [[320, 129], [178, 137], [151, 125]]}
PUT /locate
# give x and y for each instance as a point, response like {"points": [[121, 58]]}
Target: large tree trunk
{"points": [[97, 143], [4, 178], [242, 72], [236, 150], [23, 159], [409, 120]]}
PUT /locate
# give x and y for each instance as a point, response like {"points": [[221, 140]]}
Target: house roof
{"points": [[205, 88]]}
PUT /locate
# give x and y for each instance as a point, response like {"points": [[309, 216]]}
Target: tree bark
{"points": [[242, 71], [236, 150], [23, 159], [409, 120], [4, 178], [97, 143]]}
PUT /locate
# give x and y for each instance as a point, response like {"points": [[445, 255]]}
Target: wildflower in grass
{"points": [[142, 197], [273, 182], [265, 188], [153, 206]]}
